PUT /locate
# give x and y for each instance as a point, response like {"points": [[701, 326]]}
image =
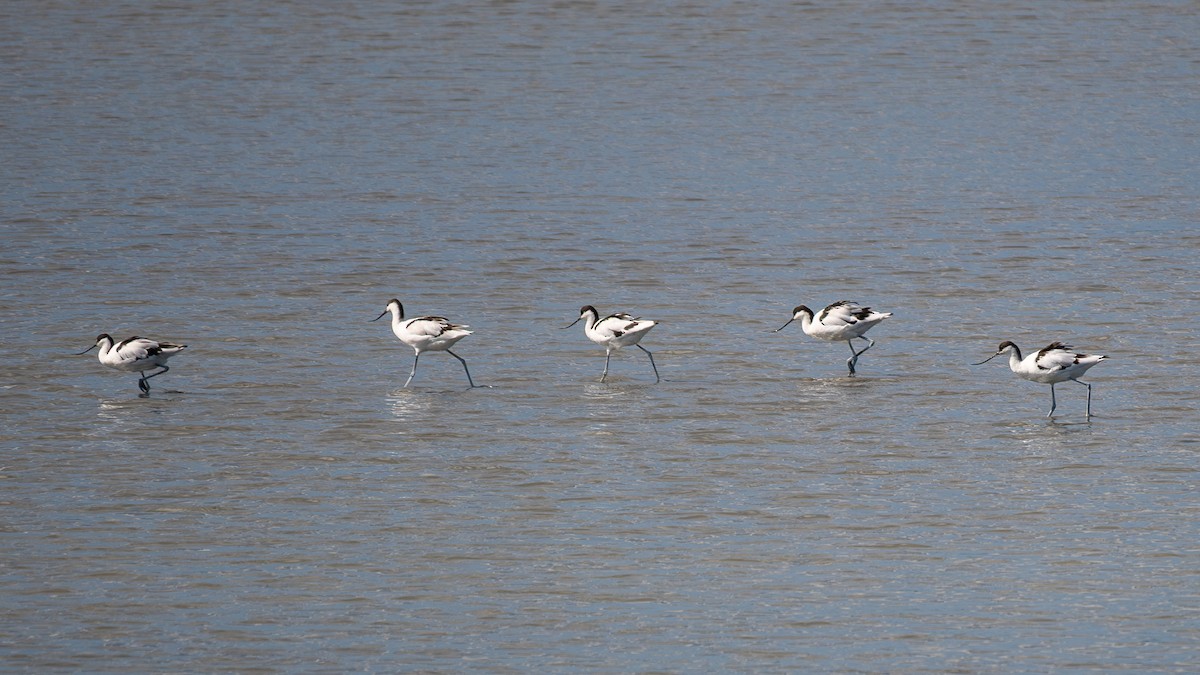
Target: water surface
{"points": [[258, 180]]}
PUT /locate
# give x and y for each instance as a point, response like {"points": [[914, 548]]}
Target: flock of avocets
{"points": [[841, 321]]}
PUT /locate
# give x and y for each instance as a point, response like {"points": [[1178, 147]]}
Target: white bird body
{"points": [[843, 320], [614, 332], [135, 355], [1054, 363], [426, 334], [429, 333]]}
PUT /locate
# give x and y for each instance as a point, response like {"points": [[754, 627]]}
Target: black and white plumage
{"points": [[135, 355], [843, 320], [614, 332], [426, 334], [1054, 363]]}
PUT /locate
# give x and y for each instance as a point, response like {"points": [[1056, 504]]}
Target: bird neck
{"points": [[1014, 360], [806, 321]]}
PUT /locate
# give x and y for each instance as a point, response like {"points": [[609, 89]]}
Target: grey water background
{"points": [[258, 179]]}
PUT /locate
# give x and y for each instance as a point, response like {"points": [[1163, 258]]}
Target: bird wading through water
{"points": [[426, 334], [1054, 363], [135, 355], [613, 332], [843, 320]]}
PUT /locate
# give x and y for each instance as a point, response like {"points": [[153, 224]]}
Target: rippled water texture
{"points": [[257, 180]]}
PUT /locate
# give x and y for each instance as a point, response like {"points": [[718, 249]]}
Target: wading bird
{"points": [[843, 320], [135, 355], [1056, 362], [426, 334], [613, 332]]}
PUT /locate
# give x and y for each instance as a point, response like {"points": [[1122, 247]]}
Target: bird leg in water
{"points": [[414, 370], [657, 379], [1089, 399], [463, 361]]}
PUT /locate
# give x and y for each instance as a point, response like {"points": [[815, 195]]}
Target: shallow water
{"points": [[257, 182]]}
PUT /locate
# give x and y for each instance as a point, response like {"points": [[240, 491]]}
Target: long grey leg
{"points": [[1053, 402], [870, 343], [414, 370], [165, 369], [853, 359], [1089, 399], [144, 385], [607, 356], [657, 379], [464, 367]]}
